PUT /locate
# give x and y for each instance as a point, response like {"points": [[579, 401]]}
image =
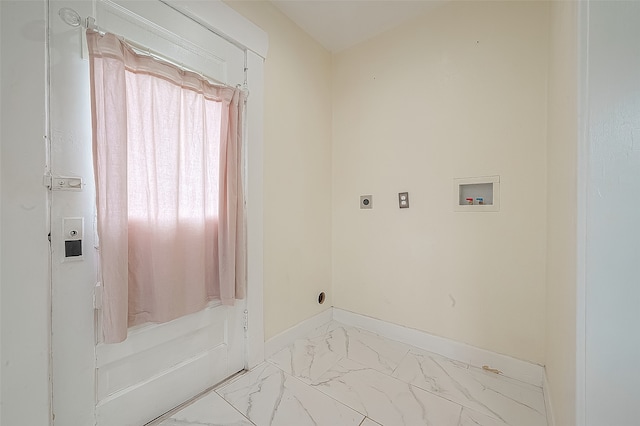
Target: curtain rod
{"points": [[72, 18]]}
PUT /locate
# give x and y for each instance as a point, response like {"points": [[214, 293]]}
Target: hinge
{"points": [[246, 322], [97, 296]]}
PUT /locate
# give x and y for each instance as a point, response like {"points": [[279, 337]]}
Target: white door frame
{"points": [[581, 210], [75, 401]]}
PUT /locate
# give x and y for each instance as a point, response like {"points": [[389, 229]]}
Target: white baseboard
{"points": [[510, 367], [298, 331], [547, 401]]}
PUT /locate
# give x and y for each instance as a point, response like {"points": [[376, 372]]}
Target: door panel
{"points": [[159, 366], [158, 349], [133, 407]]}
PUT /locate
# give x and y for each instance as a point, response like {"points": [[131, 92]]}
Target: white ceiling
{"points": [[340, 24]]}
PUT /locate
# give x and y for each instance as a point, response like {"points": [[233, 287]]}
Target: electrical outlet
{"points": [[403, 200], [366, 201]]}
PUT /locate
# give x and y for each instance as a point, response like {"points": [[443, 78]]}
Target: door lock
{"points": [[73, 229]]}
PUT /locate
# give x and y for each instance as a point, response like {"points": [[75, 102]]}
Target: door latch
{"points": [[63, 183]]}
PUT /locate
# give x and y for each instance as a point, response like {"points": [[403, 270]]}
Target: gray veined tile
{"points": [[384, 399], [439, 375], [368, 348], [473, 418], [270, 397], [175, 422], [306, 359], [210, 410], [368, 422], [517, 403], [508, 400], [324, 329], [505, 379]]}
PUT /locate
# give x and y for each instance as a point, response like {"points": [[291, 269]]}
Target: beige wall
{"points": [[461, 92], [560, 356], [458, 93], [297, 170]]}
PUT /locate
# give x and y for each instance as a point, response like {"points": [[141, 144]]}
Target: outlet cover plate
{"points": [[366, 201], [403, 200]]}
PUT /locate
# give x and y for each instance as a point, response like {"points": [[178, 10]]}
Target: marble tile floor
{"points": [[344, 376]]}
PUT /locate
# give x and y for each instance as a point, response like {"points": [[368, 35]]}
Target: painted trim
{"points": [[255, 211], [511, 367], [582, 192], [298, 331], [547, 400], [224, 21]]}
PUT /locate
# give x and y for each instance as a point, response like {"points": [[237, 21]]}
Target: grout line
{"points": [[174, 410], [460, 416], [315, 389], [547, 401], [234, 407], [466, 367]]}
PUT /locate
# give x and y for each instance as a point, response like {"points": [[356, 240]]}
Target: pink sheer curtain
{"points": [[168, 171]]}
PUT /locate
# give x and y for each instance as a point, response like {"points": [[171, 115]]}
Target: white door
{"points": [[159, 366]]}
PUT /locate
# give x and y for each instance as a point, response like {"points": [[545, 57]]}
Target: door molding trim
{"points": [[226, 22], [581, 211], [255, 209]]}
